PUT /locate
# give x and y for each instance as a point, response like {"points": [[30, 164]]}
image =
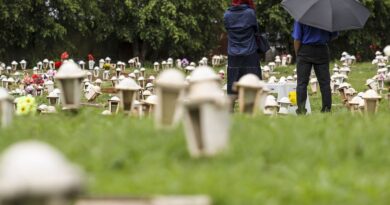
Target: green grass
{"points": [[320, 159]]}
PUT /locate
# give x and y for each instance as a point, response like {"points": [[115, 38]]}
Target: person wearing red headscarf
{"points": [[90, 57], [247, 2], [243, 58]]}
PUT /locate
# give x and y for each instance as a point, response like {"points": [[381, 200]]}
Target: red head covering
{"points": [[239, 2], [90, 57]]}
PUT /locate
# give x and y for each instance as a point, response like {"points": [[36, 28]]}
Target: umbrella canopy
{"points": [[329, 15]]}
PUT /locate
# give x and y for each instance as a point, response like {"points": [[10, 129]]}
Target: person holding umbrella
{"points": [[311, 49], [317, 22], [241, 25]]}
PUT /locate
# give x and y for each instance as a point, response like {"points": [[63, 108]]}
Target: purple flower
{"points": [[184, 62], [29, 89]]}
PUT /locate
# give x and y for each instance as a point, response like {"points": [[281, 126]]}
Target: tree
{"points": [[188, 28], [373, 37], [152, 29], [34, 28], [160, 28], [363, 42]]}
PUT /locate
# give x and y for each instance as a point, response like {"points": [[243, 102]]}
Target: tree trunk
{"points": [[144, 51], [136, 48]]}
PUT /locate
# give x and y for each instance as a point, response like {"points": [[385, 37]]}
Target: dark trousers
{"points": [[316, 56]]}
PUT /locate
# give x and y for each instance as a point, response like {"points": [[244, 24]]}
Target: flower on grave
{"points": [[27, 80], [51, 73], [29, 100], [64, 56], [184, 62], [37, 79], [23, 109], [57, 64], [293, 97], [29, 89], [106, 66], [26, 105]]}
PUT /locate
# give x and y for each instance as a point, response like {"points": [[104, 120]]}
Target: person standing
{"points": [[241, 25], [311, 49]]}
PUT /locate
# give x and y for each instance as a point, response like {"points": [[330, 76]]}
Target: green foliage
{"points": [[274, 20], [373, 37], [46, 28], [152, 29], [363, 42], [34, 28]]}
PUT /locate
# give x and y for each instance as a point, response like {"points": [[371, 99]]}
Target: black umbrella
{"points": [[330, 15]]}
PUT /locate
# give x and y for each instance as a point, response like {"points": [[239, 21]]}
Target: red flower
{"points": [[27, 80], [57, 64], [64, 56], [37, 79]]}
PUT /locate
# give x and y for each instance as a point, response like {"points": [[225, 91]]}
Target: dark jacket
{"points": [[241, 25]]}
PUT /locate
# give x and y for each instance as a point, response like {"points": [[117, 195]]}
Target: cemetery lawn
{"points": [[320, 159]]}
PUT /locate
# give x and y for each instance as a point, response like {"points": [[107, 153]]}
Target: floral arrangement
{"points": [[184, 62], [57, 64], [29, 89], [27, 80], [37, 79], [51, 73], [107, 66], [64, 56], [293, 97], [26, 105]]}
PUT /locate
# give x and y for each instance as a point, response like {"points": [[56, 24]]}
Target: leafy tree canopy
{"points": [[152, 29]]}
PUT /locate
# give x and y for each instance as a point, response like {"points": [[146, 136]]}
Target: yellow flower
{"points": [[29, 100], [293, 97], [26, 105], [106, 66], [23, 109]]}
